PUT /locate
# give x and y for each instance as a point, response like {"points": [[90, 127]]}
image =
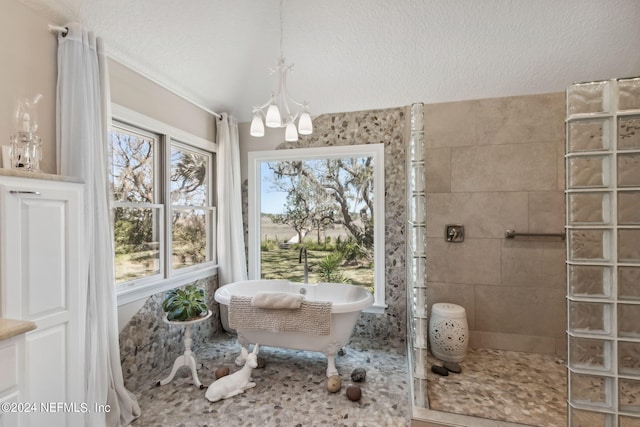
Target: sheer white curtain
{"points": [[232, 265], [83, 114]]}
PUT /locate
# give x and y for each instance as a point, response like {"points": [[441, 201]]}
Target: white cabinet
{"points": [[41, 241]]}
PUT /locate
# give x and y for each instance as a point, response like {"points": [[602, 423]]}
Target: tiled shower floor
{"points": [[290, 390], [503, 385]]}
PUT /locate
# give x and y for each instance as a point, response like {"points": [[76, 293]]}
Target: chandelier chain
{"points": [[281, 27]]}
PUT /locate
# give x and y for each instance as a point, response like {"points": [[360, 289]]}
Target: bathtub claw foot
{"points": [[331, 366]]}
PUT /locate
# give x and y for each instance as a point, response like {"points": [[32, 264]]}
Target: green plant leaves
{"points": [[328, 269], [182, 304]]}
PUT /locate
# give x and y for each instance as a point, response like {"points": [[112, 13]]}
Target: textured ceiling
{"points": [[363, 54]]}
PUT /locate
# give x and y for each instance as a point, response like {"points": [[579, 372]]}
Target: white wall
{"points": [[28, 52], [140, 94]]}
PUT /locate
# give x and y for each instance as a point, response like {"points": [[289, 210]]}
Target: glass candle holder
{"points": [[26, 151]]}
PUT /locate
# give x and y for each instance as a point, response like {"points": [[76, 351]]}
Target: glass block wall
{"points": [[416, 258], [603, 252]]}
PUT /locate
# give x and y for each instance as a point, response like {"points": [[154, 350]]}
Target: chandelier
{"points": [[277, 112]]}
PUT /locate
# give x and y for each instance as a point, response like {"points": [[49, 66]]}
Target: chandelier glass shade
{"points": [[282, 111]]}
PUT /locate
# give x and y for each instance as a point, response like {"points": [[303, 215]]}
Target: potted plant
{"points": [[183, 304]]}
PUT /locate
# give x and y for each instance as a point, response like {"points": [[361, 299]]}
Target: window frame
{"points": [[169, 278], [376, 151], [157, 196], [211, 208]]}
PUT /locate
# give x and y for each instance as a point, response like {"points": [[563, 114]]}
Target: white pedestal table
{"points": [[187, 358]]}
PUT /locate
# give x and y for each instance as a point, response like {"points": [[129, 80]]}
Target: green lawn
{"points": [[280, 263]]}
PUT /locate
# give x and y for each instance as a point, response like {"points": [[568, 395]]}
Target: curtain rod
{"points": [[58, 29], [65, 30]]}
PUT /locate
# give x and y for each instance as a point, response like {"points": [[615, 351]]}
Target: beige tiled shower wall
{"points": [[492, 165]]}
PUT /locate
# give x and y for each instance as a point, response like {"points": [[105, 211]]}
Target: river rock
{"points": [[354, 393], [358, 375], [222, 372], [334, 383]]}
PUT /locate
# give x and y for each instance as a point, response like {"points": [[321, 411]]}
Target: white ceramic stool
{"points": [[448, 332]]}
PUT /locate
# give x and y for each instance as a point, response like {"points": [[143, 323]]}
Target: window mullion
{"points": [[117, 204], [166, 200]]}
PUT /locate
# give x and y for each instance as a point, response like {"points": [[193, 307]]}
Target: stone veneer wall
{"points": [[492, 165], [148, 346], [374, 127]]}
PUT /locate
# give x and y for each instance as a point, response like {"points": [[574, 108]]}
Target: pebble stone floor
{"points": [[509, 386], [290, 390]]}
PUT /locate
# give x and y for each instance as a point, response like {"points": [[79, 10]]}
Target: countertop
{"points": [[10, 328], [38, 175]]}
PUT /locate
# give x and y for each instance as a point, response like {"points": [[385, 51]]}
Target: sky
{"points": [[271, 200]]}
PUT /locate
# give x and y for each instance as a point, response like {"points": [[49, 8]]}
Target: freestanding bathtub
{"points": [[347, 303]]}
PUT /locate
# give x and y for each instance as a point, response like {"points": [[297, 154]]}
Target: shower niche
{"points": [[603, 252]]}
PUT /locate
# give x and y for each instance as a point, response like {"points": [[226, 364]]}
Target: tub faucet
{"points": [[303, 250]]}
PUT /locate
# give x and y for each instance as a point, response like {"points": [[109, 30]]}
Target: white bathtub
{"points": [[347, 303]]}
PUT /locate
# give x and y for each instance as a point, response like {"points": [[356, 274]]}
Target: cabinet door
{"points": [[41, 265]]}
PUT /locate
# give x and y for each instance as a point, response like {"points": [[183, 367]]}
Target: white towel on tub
{"points": [[276, 300], [313, 317]]}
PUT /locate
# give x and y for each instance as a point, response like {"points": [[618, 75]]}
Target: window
{"points": [[163, 211], [332, 200], [191, 214]]}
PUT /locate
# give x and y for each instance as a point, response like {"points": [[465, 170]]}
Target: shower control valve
{"points": [[454, 233]]}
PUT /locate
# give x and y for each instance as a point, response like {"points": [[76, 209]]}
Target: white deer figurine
{"points": [[236, 383]]}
